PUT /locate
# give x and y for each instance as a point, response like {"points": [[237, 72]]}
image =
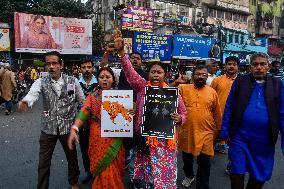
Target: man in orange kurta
{"points": [[197, 135], [222, 86]]}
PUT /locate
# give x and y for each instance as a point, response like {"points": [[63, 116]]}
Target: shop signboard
{"points": [[153, 47], [138, 19], [187, 47]]}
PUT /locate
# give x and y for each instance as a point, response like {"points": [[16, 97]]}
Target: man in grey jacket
{"points": [[61, 96]]}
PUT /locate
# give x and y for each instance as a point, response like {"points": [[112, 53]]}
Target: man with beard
{"points": [[197, 135], [253, 117], [222, 86], [88, 83], [61, 96]]}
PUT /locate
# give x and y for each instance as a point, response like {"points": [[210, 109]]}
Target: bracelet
{"points": [[75, 127]]}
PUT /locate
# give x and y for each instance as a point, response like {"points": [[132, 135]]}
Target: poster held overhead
{"points": [[160, 103]]}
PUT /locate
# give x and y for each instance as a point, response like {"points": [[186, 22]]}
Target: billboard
{"points": [[138, 19], [153, 47], [187, 47], [40, 34], [4, 39]]}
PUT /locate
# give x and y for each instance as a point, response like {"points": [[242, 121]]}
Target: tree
{"points": [[58, 8], [98, 39]]}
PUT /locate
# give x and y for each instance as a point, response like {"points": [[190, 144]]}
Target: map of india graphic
{"points": [[115, 108]]}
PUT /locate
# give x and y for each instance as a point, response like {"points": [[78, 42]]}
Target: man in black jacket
{"points": [[253, 117]]}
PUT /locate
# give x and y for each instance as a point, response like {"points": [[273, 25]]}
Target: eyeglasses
{"points": [[52, 63], [261, 64]]}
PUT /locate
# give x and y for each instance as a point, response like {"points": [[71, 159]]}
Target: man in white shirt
{"points": [[212, 68], [61, 96]]}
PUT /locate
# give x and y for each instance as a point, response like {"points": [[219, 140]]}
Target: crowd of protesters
{"points": [[231, 113]]}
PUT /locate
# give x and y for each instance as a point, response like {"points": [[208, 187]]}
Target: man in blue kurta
{"points": [[253, 117]]}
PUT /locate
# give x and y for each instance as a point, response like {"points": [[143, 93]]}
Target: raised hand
{"points": [[118, 42]]}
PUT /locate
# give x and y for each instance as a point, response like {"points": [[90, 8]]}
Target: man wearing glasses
{"points": [[197, 135], [253, 117], [61, 96]]}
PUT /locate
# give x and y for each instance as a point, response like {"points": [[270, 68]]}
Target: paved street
{"points": [[19, 157]]}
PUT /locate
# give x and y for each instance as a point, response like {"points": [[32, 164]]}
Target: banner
{"points": [[138, 19], [116, 120], [159, 104], [4, 39], [40, 34], [187, 47], [127, 45], [153, 47]]}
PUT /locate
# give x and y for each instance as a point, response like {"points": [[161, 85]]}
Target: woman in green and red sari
{"points": [[106, 154]]}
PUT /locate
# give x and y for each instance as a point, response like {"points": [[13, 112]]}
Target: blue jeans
{"points": [[8, 105]]}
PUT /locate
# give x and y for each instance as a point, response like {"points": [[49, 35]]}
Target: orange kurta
{"points": [[222, 86], [204, 120]]}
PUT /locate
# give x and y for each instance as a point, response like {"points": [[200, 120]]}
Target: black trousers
{"points": [[238, 182], [47, 145], [84, 135], [203, 170]]}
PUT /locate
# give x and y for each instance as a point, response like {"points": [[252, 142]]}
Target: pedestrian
{"points": [[276, 70], [34, 74], [88, 83], [7, 86], [253, 116], [222, 86], [212, 70], [156, 158], [106, 154], [123, 84], [198, 134], [61, 96]]}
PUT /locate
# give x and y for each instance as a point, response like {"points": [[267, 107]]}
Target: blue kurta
{"points": [[251, 149]]}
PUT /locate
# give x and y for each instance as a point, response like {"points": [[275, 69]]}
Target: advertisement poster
{"points": [[159, 104], [187, 47], [116, 120], [40, 34], [5, 58], [138, 19], [153, 47], [127, 45], [4, 39]]}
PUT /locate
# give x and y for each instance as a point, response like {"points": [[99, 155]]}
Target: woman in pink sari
{"points": [[156, 158], [36, 36]]}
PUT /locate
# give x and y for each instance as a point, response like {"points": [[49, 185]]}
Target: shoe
{"points": [[86, 178], [75, 186], [221, 149], [187, 182], [7, 112]]}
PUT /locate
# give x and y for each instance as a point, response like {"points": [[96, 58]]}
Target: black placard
{"points": [[159, 104]]}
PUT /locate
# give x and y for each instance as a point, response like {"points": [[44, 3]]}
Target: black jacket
{"points": [[244, 86]]}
